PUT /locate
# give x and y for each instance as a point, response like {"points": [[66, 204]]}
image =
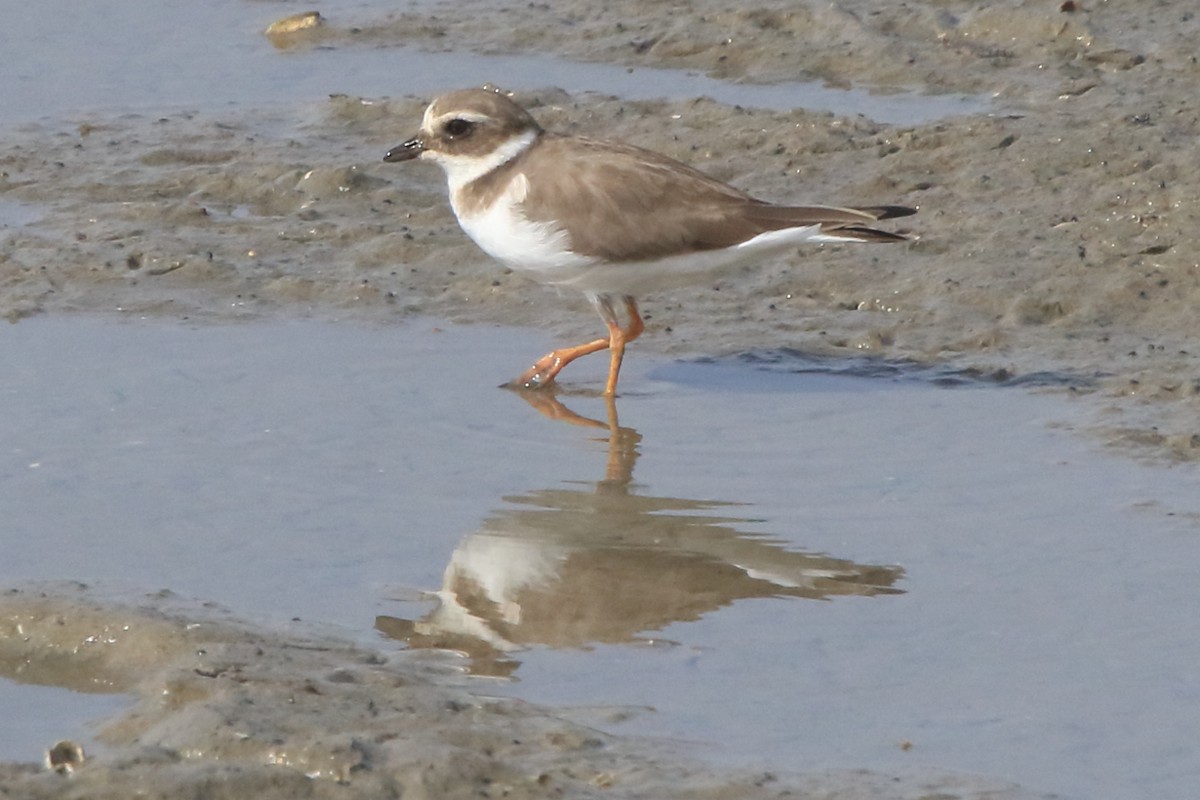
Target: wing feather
{"points": [[621, 203]]}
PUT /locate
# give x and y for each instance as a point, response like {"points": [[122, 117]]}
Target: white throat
{"points": [[462, 170]]}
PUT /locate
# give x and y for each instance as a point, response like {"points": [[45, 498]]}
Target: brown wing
{"points": [[623, 203]]}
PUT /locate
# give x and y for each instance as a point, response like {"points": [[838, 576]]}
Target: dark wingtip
{"points": [[891, 212], [861, 233]]}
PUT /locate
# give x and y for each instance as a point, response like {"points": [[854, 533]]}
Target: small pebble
{"points": [[295, 24], [65, 757]]}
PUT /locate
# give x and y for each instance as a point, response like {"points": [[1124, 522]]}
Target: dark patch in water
{"points": [[789, 360]]}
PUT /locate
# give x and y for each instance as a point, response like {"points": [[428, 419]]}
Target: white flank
{"points": [[638, 277]]}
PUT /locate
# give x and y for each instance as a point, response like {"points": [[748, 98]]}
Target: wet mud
{"points": [[1053, 241], [222, 709]]}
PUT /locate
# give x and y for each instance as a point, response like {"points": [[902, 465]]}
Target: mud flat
{"points": [[221, 708]]}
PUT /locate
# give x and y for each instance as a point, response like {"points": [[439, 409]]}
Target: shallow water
{"points": [[799, 570], [14, 214], [210, 55], [38, 716], [854, 565]]}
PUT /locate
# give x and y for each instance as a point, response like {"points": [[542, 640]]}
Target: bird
{"points": [[606, 218]]}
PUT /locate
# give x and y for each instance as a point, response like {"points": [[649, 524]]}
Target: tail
{"points": [[885, 212], [836, 224], [858, 232]]}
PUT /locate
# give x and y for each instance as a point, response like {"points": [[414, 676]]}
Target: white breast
{"points": [[508, 236]]}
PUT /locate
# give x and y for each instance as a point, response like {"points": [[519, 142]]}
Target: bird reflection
{"points": [[589, 563]]}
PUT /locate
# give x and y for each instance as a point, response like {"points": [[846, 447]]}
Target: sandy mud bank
{"points": [[221, 708]]}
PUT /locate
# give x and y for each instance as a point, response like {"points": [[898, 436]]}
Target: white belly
{"points": [[505, 234]]}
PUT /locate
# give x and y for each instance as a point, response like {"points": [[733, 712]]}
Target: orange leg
{"points": [[618, 338], [546, 368]]}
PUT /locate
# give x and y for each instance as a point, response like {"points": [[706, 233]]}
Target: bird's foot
{"points": [[541, 374]]}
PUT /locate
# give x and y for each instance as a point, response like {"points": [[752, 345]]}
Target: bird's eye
{"points": [[458, 127]]}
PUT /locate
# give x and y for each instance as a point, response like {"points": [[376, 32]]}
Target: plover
{"points": [[606, 218]]}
